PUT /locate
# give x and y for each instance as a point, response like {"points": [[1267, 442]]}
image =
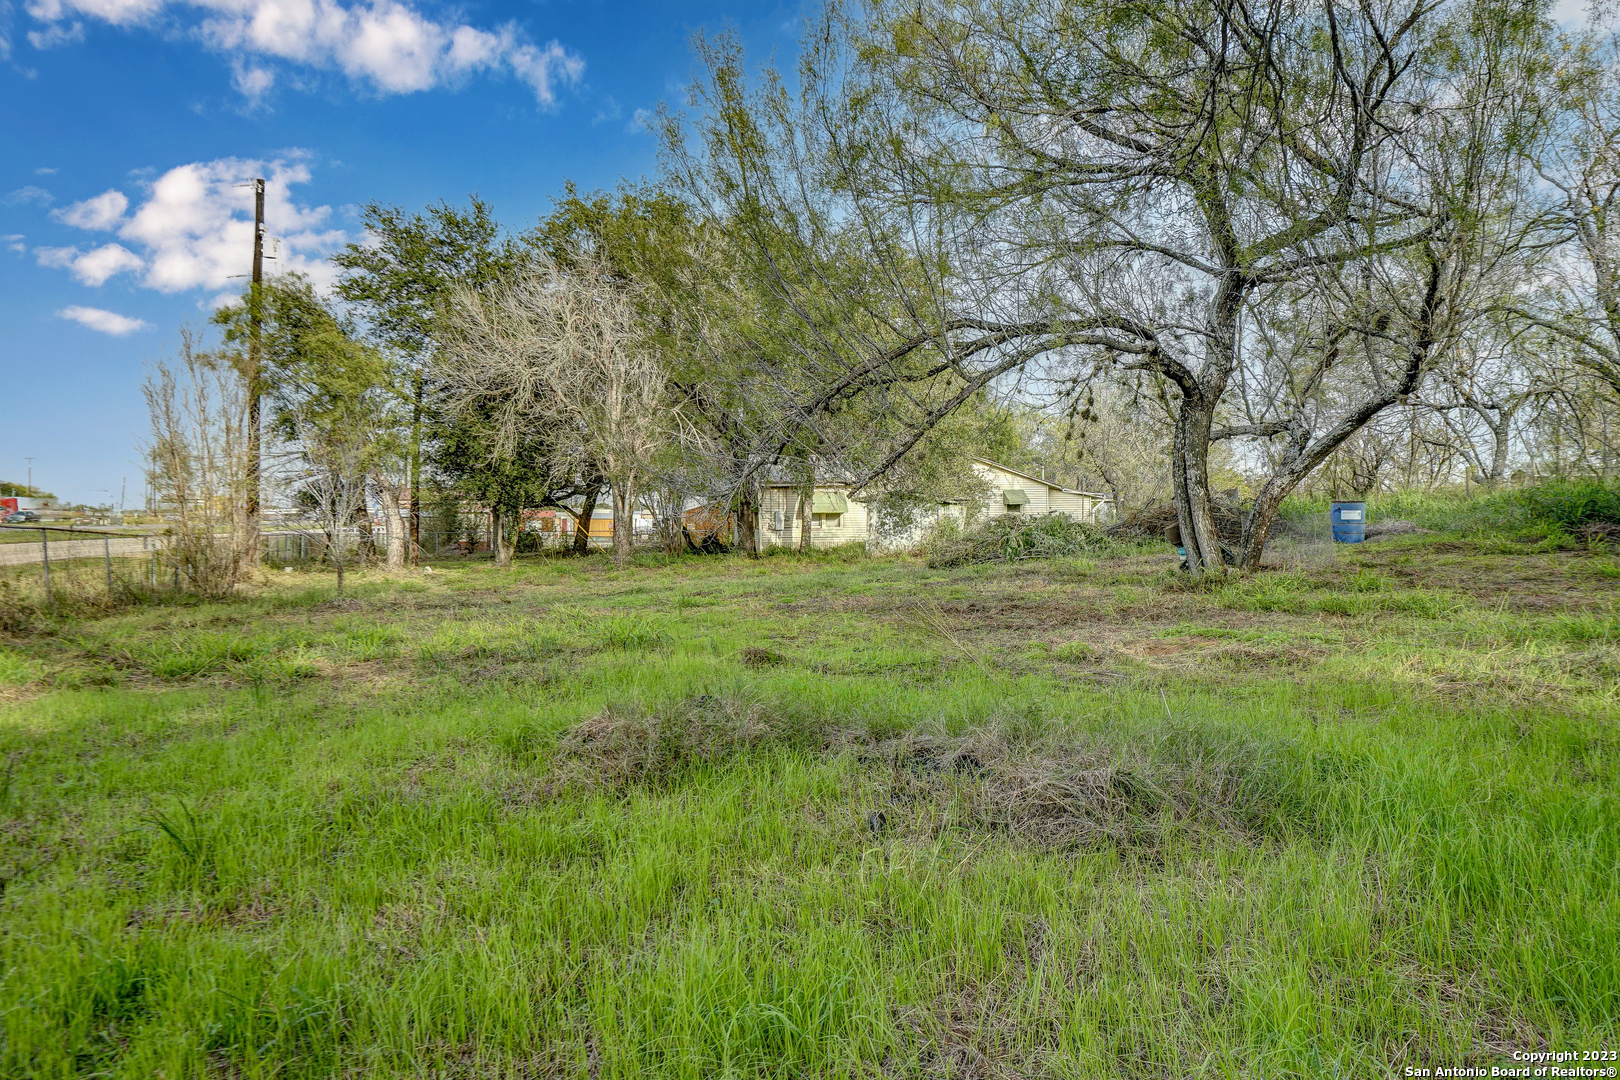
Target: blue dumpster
{"points": [[1349, 522]]}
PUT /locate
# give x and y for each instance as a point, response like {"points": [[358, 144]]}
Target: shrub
{"points": [[1568, 504]]}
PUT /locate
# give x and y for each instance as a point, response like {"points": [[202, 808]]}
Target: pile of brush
{"points": [[1012, 537], [1150, 522]]}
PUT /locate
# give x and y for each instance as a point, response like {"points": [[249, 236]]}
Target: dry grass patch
{"points": [[1053, 791]]}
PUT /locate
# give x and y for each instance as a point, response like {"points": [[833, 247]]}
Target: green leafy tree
{"points": [[335, 402], [1065, 192], [10, 490], [399, 281]]}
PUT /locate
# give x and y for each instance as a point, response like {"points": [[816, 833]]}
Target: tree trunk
{"points": [[393, 523], [416, 468], [1190, 474], [582, 531], [503, 551], [1501, 440], [805, 514], [623, 525], [364, 544], [748, 520], [1259, 520]]}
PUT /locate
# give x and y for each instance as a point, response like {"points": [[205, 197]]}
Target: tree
{"points": [[10, 490], [330, 471], [198, 464], [334, 402], [400, 280], [559, 356], [1066, 191]]}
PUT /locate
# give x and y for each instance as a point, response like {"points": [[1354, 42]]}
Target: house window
{"points": [[826, 521]]}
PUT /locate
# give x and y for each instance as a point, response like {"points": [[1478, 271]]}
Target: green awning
{"points": [[1015, 497], [829, 502]]}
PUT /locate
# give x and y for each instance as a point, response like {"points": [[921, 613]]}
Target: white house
{"points": [[837, 517], [1015, 492]]}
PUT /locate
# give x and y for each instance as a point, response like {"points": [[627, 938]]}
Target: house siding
{"points": [[851, 527], [1045, 497], [1076, 505]]}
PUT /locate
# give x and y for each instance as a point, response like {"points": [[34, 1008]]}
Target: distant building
{"points": [[837, 518], [1015, 492], [25, 502]]}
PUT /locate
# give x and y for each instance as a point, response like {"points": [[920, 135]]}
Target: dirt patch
{"points": [[760, 658], [1158, 647], [340, 604]]}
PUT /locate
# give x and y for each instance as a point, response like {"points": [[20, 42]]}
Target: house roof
{"points": [[1038, 480]]}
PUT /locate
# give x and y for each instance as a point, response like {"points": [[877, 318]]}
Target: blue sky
{"points": [[126, 124]]}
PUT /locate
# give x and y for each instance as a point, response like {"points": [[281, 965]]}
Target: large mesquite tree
{"points": [[1060, 191]]}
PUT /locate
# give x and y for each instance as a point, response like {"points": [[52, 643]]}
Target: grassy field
{"points": [[822, 816]]}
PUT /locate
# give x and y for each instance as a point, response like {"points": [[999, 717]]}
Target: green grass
{"points": [[1542, 516], [821, 816]]}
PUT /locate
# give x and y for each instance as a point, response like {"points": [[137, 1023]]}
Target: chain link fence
{"points": [[56, 570]]}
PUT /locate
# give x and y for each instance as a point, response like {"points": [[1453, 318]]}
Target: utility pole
{"points": [[30, 476], [254, 381]]}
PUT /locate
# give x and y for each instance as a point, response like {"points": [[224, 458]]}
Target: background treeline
{"points": [[1168, 250]]}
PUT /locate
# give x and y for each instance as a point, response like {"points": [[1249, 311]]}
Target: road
{"points": [[88, 548]]}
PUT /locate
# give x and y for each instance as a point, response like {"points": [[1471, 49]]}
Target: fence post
{"points": [[106, 551], [45, 553]]}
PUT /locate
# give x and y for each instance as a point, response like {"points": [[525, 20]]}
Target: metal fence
{"points": [[50, 566]]}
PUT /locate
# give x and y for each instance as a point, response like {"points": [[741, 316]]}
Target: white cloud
{"points": [[30, 195], [608, 110], [117, 12], [540, 68], [102, 212], [640, 123], [56, 34], [91, 267], [194, 228], [473, 50], [44, 170], [15, 242], [386, 44], [252, 81], [104, 322]]}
